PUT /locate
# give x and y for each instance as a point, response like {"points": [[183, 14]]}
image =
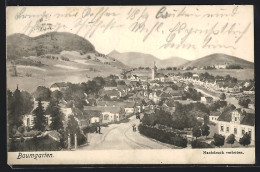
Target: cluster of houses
{"points": [[222, 86], [141, 94]]}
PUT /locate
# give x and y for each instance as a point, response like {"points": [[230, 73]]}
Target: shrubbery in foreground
{"points": [[199, 144], [163, 136]]}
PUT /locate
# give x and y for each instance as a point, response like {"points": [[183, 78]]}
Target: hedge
{"points": [[199, 144], [163, 136]]}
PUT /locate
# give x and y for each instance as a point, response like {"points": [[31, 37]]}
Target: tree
{"points": [[206, 119], [121, 82], [15, 110], [218, 140], [244, 102], [196, 132], [73, 128], [39, 120], [100, 82], [245, 140], [27, 102], [205, 130], [222, 96], [56, 115], [42, 93], [231, 139], [56, 95]]}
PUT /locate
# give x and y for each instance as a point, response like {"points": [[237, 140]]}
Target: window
{"points": [[227, 129], [222, 128], [235, 118], [28, 121], [243, 131], [249, 132], [235, 131], [106, 117]]}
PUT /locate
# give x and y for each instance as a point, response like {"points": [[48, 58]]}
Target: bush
{"points": [[199, 144], [219, 140], [35, 144], [245, 140], [163, 136]]}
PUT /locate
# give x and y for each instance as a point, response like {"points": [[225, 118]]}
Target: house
{"points": [[110, 87], [190, 85], [206, 99], [109, 113], [195, 76], [181, 85], [221, 66], [59, 86], [251, 105], [111, 94], [213, 116], [250, 90], [143, 78], [94, 116], [237, 122], [148, 104], [129, 107], [28, 119], [134, 78], [155, 96], [138, 105], [233, 88], [161, 77], [169, 106]]}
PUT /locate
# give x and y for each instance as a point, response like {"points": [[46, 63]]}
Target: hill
{"points": [[19, 45], [136, 59], [172, 62], [55, 57], [219, 59]]}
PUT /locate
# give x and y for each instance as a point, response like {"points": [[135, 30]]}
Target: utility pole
{"points": [[69, 141], [75, 137]]}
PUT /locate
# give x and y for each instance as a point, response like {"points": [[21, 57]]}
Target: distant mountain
{"points": [[172, 62], [19, 45], [219, 59], [136, 59]]}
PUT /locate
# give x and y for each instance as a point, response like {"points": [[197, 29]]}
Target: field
{"points": [[76, 70]]}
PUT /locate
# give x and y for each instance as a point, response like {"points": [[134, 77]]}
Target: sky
{"points": [[188, 32]]}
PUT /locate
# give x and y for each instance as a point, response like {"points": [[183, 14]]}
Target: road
{"points": [[121, 136], [229, 99]]}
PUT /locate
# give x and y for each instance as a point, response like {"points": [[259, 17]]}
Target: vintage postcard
{"points": [[130, 84]]}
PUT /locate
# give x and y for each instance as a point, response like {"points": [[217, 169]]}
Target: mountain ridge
{"points": [[137, 59], [219, 59]]}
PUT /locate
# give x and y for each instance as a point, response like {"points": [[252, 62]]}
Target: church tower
{"points": [[154, 71]]}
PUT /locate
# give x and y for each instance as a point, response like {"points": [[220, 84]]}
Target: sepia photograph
{"points": [[130, 84]]}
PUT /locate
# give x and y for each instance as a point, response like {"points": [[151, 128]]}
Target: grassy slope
{"points": [[215, 59], [79, 68]]}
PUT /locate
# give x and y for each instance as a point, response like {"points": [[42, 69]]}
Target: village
{"points": [[191, 110]]}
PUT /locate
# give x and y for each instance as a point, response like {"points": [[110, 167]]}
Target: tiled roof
{"points": [[93, 113], [116, 103], [110, 109], [225, 116], [215, 113], [159, 75]]}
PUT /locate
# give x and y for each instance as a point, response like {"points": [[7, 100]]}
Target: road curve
{"points": [[121, 136]]}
